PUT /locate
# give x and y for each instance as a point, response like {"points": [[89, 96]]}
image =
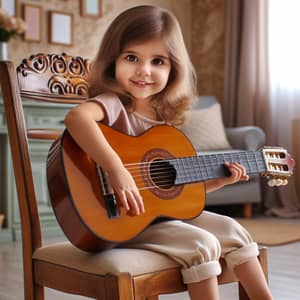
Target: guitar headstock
{"points": [[279, 165]]}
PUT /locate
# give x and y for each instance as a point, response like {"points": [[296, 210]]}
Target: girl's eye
{"points": [[157, 61], [132, 58]]}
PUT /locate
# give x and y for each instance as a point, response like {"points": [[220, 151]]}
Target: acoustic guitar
{"points": [[167, 172]]}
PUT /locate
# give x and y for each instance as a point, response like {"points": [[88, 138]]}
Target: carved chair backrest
{"points": [[54, 78]]}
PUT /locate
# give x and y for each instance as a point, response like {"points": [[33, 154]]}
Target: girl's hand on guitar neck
{"points": [[127, 192], [238, 173]]}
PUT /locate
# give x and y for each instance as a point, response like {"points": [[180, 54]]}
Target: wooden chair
{"points": [[108, 275]]}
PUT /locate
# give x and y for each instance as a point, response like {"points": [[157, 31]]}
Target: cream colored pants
{"points": [[198, 244]]}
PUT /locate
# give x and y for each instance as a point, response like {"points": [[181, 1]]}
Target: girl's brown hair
{"points": [[138, 24]]}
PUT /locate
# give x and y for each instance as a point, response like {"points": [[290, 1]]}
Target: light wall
{"points": [[201, 22]]}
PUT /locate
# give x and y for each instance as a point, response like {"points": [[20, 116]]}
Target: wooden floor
{"points": [[284, 272]]}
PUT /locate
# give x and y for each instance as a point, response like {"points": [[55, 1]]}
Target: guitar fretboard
{"points": [[211, 166]]}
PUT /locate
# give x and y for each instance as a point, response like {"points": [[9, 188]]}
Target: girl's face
{"points": [[143, 69]]}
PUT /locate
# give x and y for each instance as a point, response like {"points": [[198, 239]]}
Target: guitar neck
{"points": [[211, 166]]}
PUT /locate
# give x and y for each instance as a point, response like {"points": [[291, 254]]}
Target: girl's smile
{"points": [[143, 69], [141, 84]]}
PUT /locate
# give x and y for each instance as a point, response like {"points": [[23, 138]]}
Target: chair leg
{"points": [[39, 292], [33, 291], [247, 210], [125, 287]]}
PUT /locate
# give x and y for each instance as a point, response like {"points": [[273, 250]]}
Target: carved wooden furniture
{"points": [[57, 76], [112, 274]]}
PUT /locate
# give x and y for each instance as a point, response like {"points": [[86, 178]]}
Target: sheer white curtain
{"points": [[284, 82], [262, 82]]}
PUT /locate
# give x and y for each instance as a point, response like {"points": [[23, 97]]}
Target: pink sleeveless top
{"points": [[116, 116]]}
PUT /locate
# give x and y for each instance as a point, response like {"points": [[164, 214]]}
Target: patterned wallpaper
{"points": [[207, 48], [201, 21]]}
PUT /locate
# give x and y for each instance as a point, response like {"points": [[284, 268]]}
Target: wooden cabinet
{"points": [[37, 115]]}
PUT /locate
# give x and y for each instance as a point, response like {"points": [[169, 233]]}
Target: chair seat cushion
{"points": [[113, 261]]}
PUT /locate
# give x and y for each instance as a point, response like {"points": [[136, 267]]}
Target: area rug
{"points": [[272, 232]]}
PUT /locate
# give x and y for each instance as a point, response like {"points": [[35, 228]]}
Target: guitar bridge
{"points": [[108, 194]]}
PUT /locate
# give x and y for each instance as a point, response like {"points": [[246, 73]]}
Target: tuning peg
{"points": [[277, 182], [282, 182], [272, 182]]}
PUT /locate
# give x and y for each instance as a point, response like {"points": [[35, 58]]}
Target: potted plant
{"points": [[9, 27]]}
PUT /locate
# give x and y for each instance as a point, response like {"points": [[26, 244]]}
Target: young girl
{"points": [[142, 76]]}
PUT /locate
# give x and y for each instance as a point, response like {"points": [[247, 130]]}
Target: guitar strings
{"points": [[170, 167], [162, 179], [211, 159], [161, 174], [160, 162], [161, 166]]}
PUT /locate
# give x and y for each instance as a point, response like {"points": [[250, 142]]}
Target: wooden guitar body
{"points": [[77, 197]]}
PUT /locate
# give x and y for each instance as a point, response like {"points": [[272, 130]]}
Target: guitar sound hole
{"points": [[162, 174]]}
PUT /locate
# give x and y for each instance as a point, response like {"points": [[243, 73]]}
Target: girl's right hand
{"points": [[127, 192]]}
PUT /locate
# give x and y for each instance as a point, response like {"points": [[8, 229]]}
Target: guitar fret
{"points": [[247, 164], [201, 165], [181, 176], [216, 164], [204, 174], [256, 163], [193, 167], [227, 157], [186, 168], [184, 175], [210, 168], [204, 167], [252, 167], [261, 162], [196, 168]]}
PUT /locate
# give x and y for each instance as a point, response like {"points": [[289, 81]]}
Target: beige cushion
{"points": [[205, 129], [114, 261]]}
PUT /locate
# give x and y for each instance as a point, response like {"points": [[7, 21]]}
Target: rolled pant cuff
{"points": [[241, 255], [201, 272]]}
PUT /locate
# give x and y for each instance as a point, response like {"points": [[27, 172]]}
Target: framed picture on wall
{"points": [[10, 6], [33, 20], [91, 8], [60, 28]]}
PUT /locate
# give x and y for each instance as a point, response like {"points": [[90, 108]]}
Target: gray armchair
{"points": [[245, 193], [239, 138]]}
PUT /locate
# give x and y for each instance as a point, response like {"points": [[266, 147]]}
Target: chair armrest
{"points": [[44, 134], [246, 137]]}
